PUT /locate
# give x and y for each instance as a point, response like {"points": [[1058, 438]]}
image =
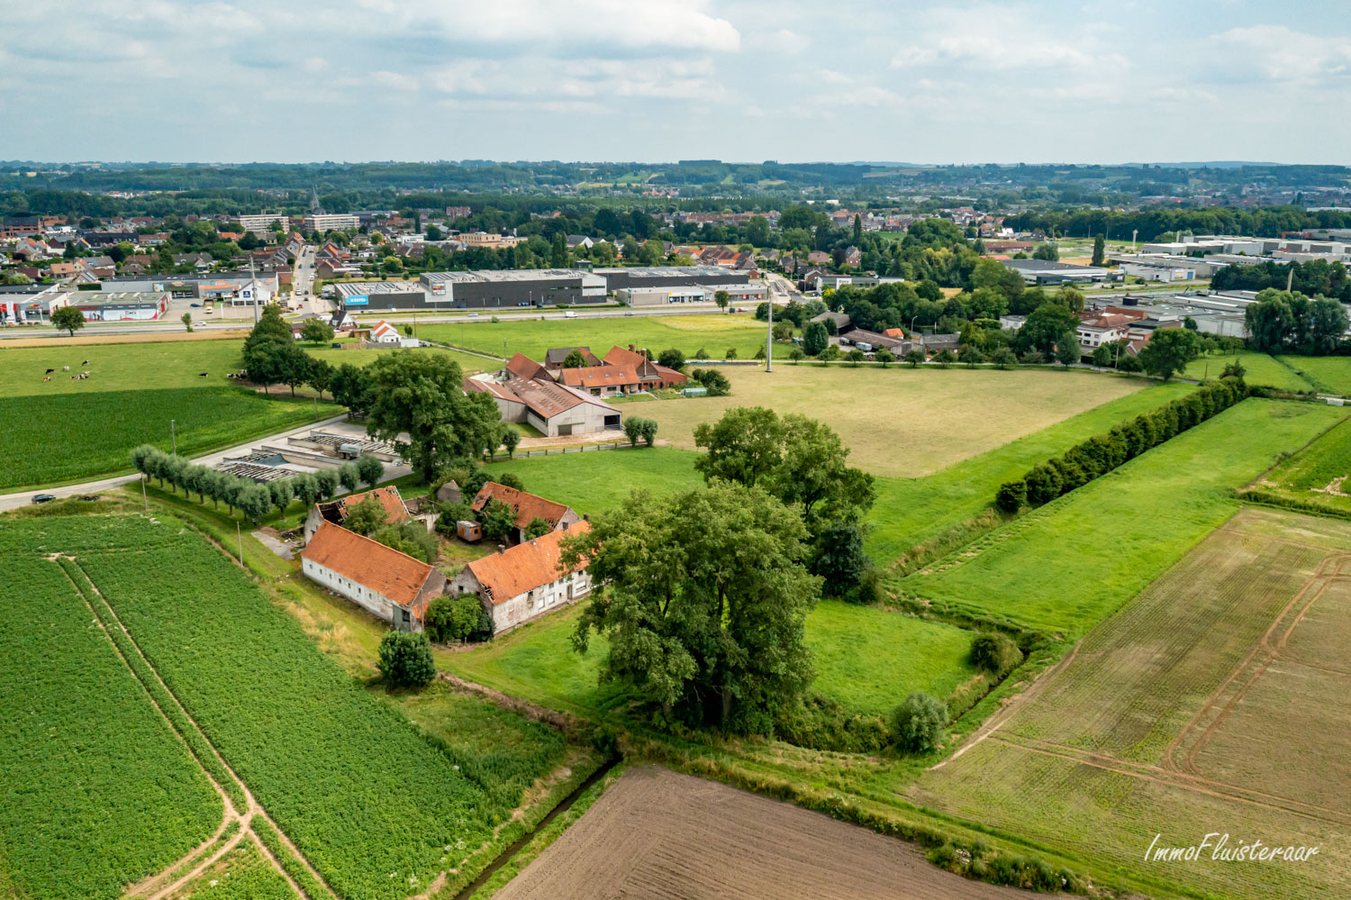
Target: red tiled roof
{"points": [[525, 566], [368, 563], [600, 376], [618, 356], [388, 496], [526, 506], [523, 366]]}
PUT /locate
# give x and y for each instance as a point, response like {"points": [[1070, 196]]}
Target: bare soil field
{"points": [[899, 421], [1217, 701], [659, 834]]}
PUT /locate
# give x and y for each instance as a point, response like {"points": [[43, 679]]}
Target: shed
{"points": [[468, 530]]}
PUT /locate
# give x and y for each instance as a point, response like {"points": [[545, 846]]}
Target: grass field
{"points": [[360, 790], [74, 436], [1330, 374], [1260, 369], [870, 659], [118, 367], [1317, 476], [899, 421], [867, 659], [1214, 702], [96, 789], [363, 357], [1066, 566], [908, 512], [712, 332]]}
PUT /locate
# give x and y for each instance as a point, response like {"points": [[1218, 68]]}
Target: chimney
{"points": [[501, 548], [565, 526], [630, 348], [586, 517]]}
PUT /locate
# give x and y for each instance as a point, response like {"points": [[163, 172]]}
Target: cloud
{"points": [[1276, 53], [1005, 39]]}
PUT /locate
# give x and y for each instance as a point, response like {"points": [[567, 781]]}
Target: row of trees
{"points": [[1102, 453], [253, 499]]}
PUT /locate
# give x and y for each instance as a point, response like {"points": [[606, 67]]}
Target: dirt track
{"points": [[660, 834]]}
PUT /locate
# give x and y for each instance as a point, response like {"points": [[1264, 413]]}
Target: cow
{"points": [[49, 371], [65, 368], [201, 374], [85, 363]]}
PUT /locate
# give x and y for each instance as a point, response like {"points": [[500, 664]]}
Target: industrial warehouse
{"points": [[515, 288]]}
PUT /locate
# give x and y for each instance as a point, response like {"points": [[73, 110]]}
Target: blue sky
{"points": [[261, 80]]}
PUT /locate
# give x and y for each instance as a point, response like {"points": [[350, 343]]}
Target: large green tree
{"points": [[421, 394], [703, 599], [1168, 351]]}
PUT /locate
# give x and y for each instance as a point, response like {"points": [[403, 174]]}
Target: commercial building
{"points": [[520, 583], [331, 222], [1040, 271], [488, 240], [240, 288], [261, 225], [685, 294], [512, 288], [618, 278], [117, 306], [356, 296]]}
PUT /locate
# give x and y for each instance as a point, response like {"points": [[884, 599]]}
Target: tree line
{"points": [[1101, 454]]}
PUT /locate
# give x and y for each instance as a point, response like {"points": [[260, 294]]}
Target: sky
{"points": [[660, 80]]}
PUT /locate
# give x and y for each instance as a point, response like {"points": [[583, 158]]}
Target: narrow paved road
{"points": [[23, 498]]}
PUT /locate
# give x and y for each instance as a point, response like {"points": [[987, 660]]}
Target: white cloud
{"points": [[1006, 39], [1279, 54]]}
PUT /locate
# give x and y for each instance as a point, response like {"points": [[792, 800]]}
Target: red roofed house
{"points": [[384, 582], [527, 507], [522, 582], [336, 510]]}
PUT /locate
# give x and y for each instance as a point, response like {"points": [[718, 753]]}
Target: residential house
{"points": [[386, 583], [1095, 330], [384, 333], [554, 357], [527, 508], [335, 511], [520, 583]]}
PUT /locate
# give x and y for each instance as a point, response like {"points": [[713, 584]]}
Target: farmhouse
{"points": [[384, 582], [335, 511], [526, 392], [517, 584], [527, 507]]}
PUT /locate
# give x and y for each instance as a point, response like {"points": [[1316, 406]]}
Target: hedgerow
{"points": [[96, 792], [372, 803], [1102, 453]]}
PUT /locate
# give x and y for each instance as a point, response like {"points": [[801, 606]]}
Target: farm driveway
{"points": [[659, 834]]}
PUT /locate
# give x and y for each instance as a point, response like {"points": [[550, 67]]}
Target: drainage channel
{"points": [[505, 856]]}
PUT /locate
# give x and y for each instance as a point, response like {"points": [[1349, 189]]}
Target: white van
{"points": [[569, 315]]}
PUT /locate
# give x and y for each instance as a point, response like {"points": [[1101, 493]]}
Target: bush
{"points": [[995, 652], [819, 723], [717, 383], [917, 724], [453, 618], [1011, 495], [701, 353], [406, 659]]}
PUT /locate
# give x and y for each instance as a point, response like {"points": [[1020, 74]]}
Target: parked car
{"points": [[628, 312], [473, 315], [194, 305], [43, 498]]}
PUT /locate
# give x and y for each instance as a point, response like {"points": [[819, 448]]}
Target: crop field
{"points": [[1331, 374], [1067, 565], [97, 790], [1260, 369], [242, 874], [903, 422], [712, 332], [377, 807], [656, 833], [73, 436], [1319, 476], [1216, 701]]}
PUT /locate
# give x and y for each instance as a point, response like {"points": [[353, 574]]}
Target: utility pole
{"points": [[253, 286], [769, 338], [239, 533], [145, 501], [173, 436]]}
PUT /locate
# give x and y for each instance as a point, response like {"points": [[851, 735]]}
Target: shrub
{"points": [[406, 659], [917, 724], [995, 652], [453, 618], [1011, 495], [701, 353]]}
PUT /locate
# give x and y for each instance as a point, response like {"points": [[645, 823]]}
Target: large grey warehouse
{"points": [[522, 287]]}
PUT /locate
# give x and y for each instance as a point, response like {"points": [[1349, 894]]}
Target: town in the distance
{"points": [[681, 528]]}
